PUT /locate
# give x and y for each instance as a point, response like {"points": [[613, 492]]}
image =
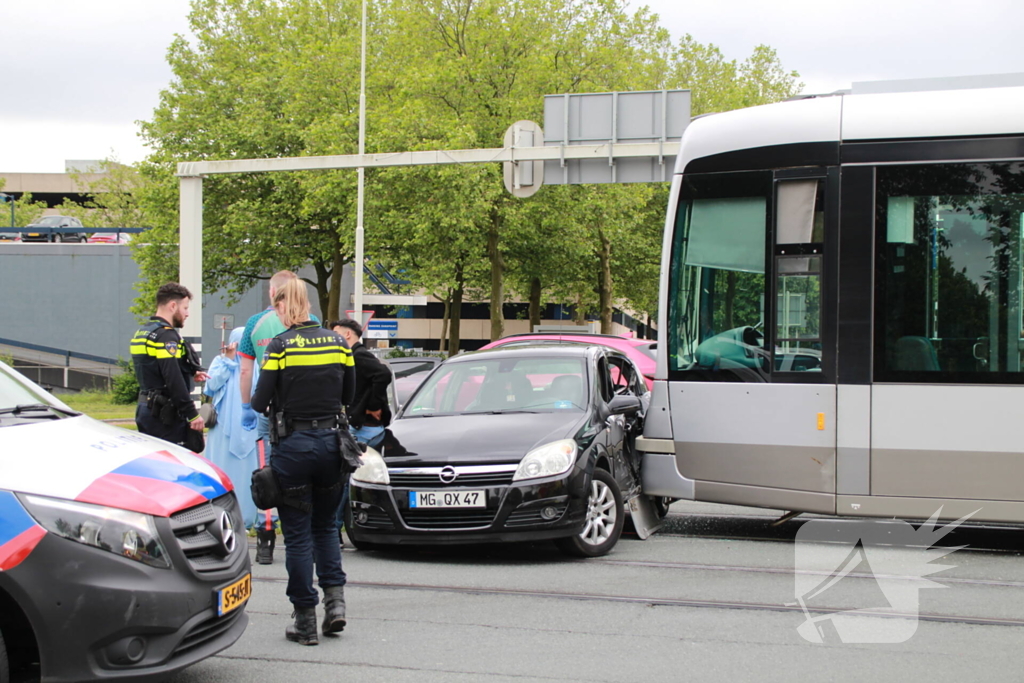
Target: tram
{"points": [[841, 323]]}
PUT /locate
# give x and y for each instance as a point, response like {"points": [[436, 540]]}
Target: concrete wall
{"points": [[76, 297]]}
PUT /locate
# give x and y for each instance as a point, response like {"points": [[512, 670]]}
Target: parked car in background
{"points": [[643, 352], [409, 372], [121, 556], [10, 236], [518, 444], [54, 222], [109, 238]]}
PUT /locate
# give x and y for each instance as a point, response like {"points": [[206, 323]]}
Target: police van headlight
{"points": [[128, 534], [547, 461], [373, 470]]}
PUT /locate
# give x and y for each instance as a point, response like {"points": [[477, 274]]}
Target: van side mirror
{"points": [[623, 404]]}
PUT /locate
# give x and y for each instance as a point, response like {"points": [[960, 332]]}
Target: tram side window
{"points": [[799, 236], [717, 311], [949, 273]]}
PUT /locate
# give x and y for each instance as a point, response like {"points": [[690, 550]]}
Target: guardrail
{"points": [[69, 370], [58, 231]]}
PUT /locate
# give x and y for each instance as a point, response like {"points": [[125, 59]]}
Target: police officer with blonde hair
{"points": [[306, 378]]}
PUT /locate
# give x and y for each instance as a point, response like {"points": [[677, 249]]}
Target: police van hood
{"points": [[89, 461]]}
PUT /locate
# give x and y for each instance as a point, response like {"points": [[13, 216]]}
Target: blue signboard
{"points": [[389, 325]]}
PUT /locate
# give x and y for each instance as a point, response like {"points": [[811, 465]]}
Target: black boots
{"points": [[265, 546], [303, 631], [334, 609]]}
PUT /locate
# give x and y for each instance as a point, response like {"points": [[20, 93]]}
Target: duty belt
{"points": [[146, 396], [298, 425]]}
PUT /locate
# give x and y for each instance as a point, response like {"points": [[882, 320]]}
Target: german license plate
{"points": [[448, 499], [234, 596]]}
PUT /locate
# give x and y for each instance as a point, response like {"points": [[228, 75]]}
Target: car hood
{"points": [[89, 461], [478, 438]]}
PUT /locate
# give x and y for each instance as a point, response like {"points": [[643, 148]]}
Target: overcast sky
{"points": [[78, 74]]}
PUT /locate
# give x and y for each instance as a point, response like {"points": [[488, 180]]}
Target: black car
{"points": [[519, 444], [46, 235]]}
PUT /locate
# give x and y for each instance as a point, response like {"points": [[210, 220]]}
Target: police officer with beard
{"points": [[307, 376], [165, 366]]}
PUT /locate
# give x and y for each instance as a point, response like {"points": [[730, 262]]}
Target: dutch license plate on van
{"points": [[447, 499], [230, 598]]}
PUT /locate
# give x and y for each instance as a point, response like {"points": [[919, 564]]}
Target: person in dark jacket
{"points": [[166, 367], [369, 412], [307, 376]]}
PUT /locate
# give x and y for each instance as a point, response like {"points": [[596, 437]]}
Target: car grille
{"points": [[467, 475], [432, 480], [206, 631], [448, 519], [203, 550], [532, 516]]}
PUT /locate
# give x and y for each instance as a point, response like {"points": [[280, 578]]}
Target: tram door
{"points": [[755, 417]]}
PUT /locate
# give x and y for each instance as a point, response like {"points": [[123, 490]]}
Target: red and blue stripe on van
{"points": [[19, 533]]}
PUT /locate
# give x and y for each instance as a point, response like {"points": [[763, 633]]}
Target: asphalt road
{"points": [[711, 597]]}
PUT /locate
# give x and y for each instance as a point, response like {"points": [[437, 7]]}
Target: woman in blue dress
{"points": [[228, 446]]}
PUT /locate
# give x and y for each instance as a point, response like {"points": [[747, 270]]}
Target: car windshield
{"points": [[21, 402], [49, 221], [502, 385]]}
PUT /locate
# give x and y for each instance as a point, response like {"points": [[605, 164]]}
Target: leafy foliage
{"points": [[125, 386], [274, 78]]}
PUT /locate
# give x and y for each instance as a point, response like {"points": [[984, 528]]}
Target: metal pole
{"points": [[358, 265], [191, 256]]}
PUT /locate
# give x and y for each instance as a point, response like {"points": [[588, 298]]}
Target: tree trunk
{"points": [[579, 315], [444, 321], [334, 306], [604, 286], [323, 292], [456, 313], [534, 303], [497, 277]]}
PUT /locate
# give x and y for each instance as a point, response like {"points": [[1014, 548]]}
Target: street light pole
{"points": [[358, 264]]}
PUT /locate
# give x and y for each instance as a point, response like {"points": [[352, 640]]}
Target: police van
{"points": [[121, 556]]}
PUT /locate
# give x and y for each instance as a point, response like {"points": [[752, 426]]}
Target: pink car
{"points": [[640, 351]]}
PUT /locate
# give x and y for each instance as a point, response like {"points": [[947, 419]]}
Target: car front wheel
{"points": [[604, 520]]}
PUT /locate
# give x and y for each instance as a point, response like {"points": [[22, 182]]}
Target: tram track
{"points": [[978, 537], [672, 602]]}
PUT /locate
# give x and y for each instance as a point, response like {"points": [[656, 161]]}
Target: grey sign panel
{"points": [[617, 117]]}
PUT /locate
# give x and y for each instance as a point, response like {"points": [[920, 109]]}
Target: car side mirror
{"points": [[623, 404]]}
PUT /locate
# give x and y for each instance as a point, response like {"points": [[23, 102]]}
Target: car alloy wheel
{"points": [[605, 516], [601, 514]]}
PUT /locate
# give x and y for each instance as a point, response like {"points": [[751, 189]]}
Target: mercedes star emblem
{"points": [[227, 532]]}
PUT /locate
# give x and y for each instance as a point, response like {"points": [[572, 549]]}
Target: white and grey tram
{"points": [[841, 322]]}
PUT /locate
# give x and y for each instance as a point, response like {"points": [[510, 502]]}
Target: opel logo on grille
{"points": [[447, 474], [227, 532]]}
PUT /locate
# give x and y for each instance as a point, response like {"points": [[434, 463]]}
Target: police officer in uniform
{"points": [[308, 375], [166, 366]]}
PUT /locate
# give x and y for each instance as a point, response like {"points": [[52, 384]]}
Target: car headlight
{"points": [[373, 470], [548, 460], [128, 534]]}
